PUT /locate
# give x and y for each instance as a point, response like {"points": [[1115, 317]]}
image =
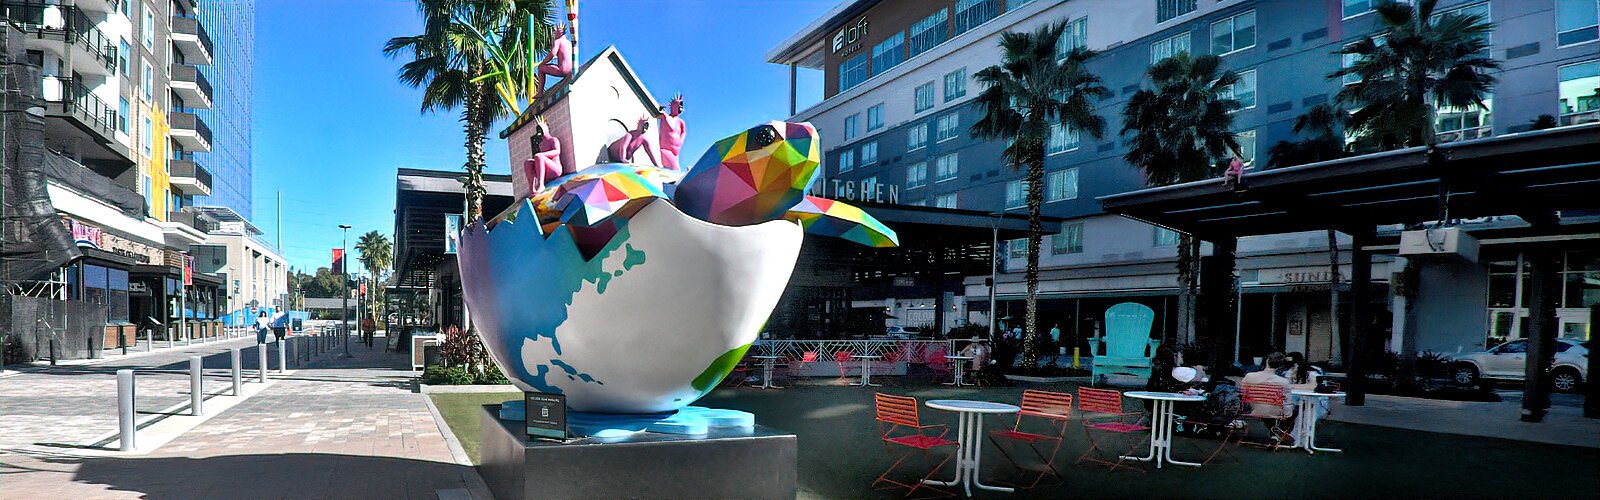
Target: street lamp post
{"points": [[344, 287], [994, 267]]}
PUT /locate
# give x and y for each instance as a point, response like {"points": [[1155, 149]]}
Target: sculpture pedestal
{"points": [[725, 463]]}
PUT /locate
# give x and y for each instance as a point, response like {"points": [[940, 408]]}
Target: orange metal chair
{"points": [[897, 413], [1102, 411], [846, 362], [1051, 409], [1272, 395]]}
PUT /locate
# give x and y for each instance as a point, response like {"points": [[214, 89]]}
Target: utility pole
{"points": [[344, 286]]}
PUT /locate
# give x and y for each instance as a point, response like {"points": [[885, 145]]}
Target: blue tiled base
{"points": [[691, 420]]}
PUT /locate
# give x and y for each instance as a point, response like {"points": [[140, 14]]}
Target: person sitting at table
{"points": [[980, 357], [1302, 375], [1269, 376]]}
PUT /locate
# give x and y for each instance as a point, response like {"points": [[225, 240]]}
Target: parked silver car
{"points": [[1507, 361]]}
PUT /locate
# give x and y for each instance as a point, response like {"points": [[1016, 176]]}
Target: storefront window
{"points": [[74, 288], [1582, 280], [94, 284], [117, 295]]}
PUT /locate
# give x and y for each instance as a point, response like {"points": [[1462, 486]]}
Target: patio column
{"points": [[1217, 301], [1591, 395], [1544, 271], [1360, 317]]}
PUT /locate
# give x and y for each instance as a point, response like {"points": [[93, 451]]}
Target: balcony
{"points": [[78, 114], [188, 176], [191, 85], [63, 28], [191, 38], [1465, 134], [192, 219], [189, 130]]}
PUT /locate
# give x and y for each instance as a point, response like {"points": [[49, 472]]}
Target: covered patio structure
{"points": [[1550, 179]]}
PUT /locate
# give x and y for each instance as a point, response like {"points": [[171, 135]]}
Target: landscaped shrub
{"points": [[447, 375], [491, 375]]}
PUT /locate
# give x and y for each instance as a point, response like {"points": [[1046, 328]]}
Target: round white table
{"points": [[969, 433], [1305, 426], [767, 363], [866, 370], [1161, 421], [960, 373]]}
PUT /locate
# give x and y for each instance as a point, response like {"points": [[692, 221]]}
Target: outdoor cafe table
{"points": [[1161, 420], [766, 371], [1305, 427], [960, 374], [866, 370], [969, 434]]}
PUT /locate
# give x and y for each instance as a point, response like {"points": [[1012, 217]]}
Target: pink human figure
{"points": [[546, 162], [1234, 176], [558, 62], [623, 149], [672, 132]]}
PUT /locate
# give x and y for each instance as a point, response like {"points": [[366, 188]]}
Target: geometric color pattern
{"points": [[752, 177], [822, 216]]}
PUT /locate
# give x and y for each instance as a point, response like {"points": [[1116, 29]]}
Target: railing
{"points": [[187, 73], [76, 99], [1581, 117], [915, 351], [185, 166], [187, 118], [74, 25], [191, 219], [1466, 134], [190, 25]]}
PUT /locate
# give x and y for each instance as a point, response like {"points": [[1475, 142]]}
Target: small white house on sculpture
{"points": [[601, 102]]}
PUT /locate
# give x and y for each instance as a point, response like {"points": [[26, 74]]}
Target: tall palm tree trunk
{"points": [[1030, 342], [476, 125]]}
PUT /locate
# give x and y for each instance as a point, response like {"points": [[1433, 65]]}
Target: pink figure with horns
{"points": [[623, 149], [546, 162], [558, 62], [673, 130]]}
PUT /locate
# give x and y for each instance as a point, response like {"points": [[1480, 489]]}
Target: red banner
{"points": [[188, 270], [338, 261]]}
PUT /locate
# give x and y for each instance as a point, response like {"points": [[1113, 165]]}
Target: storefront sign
{"points": [[850, 36], [869, 190], [547, 415], [86, 235]]}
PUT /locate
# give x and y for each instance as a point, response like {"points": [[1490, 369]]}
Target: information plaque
{"points": [[547, 415]]}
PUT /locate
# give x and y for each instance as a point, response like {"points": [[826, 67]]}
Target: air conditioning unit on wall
{"points": [[1451, 242]]}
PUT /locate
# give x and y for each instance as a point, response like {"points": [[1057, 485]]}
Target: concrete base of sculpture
{"points": [[725, 463]]}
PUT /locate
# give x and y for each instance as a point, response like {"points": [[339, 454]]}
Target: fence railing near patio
{"points": [[896, 353]]}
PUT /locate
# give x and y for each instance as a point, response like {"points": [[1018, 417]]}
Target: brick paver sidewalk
{"points": [[337, 428]]}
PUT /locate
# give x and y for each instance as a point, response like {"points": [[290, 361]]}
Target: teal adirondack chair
{"points": [[1126, 347]]}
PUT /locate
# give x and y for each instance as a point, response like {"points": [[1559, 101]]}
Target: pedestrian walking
{"points": [[261, 327]]}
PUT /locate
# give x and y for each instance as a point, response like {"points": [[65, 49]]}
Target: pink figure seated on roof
{"points": [[546, 162], [1234, 176], [624, 148], [558, 62], [672, 132]]}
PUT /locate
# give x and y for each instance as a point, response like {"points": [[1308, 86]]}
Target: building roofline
{"points": [[792, 49]]}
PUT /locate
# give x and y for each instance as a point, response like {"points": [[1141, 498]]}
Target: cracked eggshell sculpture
{"points": [[620, 289]]}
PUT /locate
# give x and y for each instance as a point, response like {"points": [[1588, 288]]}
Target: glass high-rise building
{"points": [[232, 27]]}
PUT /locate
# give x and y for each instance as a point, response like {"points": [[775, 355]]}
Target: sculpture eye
{"points": [[761, 137]]}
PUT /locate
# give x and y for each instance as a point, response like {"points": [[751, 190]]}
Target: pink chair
{"points": [[844, 359]]}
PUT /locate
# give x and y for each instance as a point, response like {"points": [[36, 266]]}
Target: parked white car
{"points": [[1507, 361]]}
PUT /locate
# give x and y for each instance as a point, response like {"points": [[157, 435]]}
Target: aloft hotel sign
{"points": [[850, 36]]}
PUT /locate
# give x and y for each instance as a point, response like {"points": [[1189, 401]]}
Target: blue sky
{"points": [[332, 124]]}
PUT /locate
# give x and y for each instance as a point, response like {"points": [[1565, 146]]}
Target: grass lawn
{"points": [[840, 454], [461, 412]]}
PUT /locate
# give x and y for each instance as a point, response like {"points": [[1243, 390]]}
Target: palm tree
{"points": [[376, 255], [1182, 131], [1416, 62], [464, 41], [1030, 93], [1324, 142]]}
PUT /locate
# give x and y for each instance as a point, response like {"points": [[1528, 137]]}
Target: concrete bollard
{"points": [[294, 350], [125, 411], [281, 366], [197, 386], [238, 373], [261, 358]]}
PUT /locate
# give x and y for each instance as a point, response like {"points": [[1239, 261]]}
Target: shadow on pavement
{"points": [[294, 475]]}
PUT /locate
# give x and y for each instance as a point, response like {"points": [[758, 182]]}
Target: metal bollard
{"points": [[281, 366], [261, 357], [125, 414], [294, 350], [238, 373], [197, 387]]}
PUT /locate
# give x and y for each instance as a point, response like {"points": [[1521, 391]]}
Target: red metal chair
{"points": [[1052, 411], [806, 358], [939, 366], [1102, 411], [897, 413], [844, 358], [740, 375], [1269, 395]]}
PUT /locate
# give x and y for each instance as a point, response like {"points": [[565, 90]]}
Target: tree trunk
{"points": [[1188, 257], [476, 123], [1035, 184], [1333, 294]]}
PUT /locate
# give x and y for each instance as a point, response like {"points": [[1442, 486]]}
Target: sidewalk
{"points": [[337, 428], [1564, 424]]}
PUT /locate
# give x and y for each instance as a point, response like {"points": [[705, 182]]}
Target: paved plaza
{"points": [[336, 428]]}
